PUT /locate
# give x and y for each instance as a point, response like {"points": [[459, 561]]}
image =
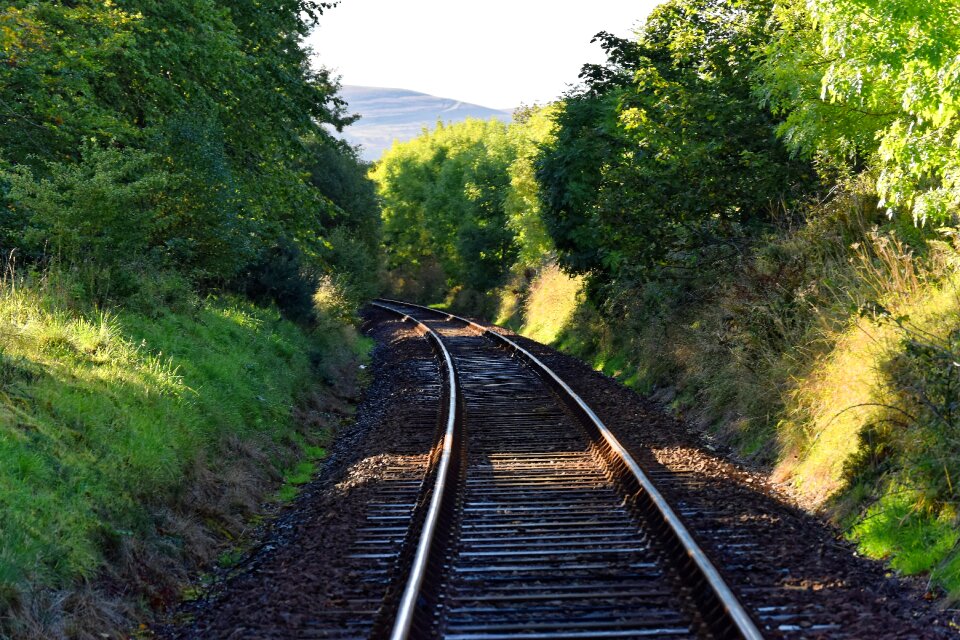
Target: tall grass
{"points": [[125, 433], [549, 303]]}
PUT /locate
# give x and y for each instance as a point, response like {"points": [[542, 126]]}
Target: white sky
{"points": [[496, 53]]}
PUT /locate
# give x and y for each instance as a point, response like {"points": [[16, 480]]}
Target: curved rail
{"points": [[734, 621], [408, 601]]}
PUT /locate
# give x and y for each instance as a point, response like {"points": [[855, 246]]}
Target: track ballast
{"points": [[539, 525]]}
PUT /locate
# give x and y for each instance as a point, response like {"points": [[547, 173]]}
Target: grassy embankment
{"points": [[134, 442], [827, 355]]}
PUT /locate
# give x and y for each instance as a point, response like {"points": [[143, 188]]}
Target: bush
{"points": [[425, 282], [100, 210], [355, 261], [925, 376], [279, 277]]}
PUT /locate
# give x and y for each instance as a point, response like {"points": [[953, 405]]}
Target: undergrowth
{"points": [[133, 439]]}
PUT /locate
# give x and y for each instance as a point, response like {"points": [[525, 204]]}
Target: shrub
{"points": [[99, 210], [355, 261], [279, 277]]}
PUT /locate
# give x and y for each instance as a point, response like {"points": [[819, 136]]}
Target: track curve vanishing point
{"points": [[539, 523]]}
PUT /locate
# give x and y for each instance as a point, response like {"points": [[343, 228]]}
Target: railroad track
{"points": [[533, 521]]}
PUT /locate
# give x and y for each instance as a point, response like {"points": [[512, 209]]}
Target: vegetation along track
{"points": [[534, 529], [538, 524]]}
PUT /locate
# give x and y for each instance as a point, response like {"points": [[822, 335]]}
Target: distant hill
{"points": [[398, 114]]}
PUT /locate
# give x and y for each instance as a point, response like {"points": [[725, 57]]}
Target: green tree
{"points": [[873, 84], [352, 249], [444, 198], [220, 95], [532, 128], [664, 157], [99, 206]]}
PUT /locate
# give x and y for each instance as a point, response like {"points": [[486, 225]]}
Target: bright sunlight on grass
{"points": [[104, 416]]}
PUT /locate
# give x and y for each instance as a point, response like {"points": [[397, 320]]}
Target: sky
{"points": [[495, 53]]}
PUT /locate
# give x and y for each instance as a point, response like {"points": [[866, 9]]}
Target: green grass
{"points": [[362, 348], [294, 478], [300, 473], [913, 541], [104, 417]]}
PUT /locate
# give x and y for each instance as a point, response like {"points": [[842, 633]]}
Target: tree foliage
{"points": [[101, 205], [463, 195], [664, 155], [214, 103], [689, 140], [873, 84], [532, 128]]}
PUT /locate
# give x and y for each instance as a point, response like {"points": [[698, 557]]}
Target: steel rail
{"points": [[408, 601], [736, 614]]}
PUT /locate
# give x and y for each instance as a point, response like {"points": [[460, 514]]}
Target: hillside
{"points": [[398, 114]]}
